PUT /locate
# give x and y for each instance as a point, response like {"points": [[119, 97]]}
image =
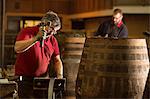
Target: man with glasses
{"points": [[114, 28], [35, 47]]}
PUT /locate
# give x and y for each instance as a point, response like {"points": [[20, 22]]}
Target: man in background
{"points": [[114, 28]]}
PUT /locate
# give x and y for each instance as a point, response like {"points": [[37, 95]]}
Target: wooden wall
{"points": [[59, 6], [132, 2], [137, 24], [1, 16], [37, 6], [80, 6], [68, 6], [0, 32]]}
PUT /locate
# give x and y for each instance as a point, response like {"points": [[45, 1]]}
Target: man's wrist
{"points": [[59, 75]]}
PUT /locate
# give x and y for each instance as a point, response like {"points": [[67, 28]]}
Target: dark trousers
{"points": [[26, 91]]}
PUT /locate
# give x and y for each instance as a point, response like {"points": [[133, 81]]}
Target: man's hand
{"points": [[41, 34], [59, 76]]}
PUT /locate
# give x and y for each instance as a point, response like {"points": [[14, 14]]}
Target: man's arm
{"points": [[101, 30], [97, 33], [58, 67], [23, 45]]}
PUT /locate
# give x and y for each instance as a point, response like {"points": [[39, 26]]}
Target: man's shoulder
{"points": [[107, 21], [30, 29]]}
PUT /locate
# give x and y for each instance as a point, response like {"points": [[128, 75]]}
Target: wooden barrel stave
{"points": [[72, 56]]}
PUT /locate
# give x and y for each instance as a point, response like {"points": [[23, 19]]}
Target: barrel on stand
{"points": [[113, 68], [71, 59]]}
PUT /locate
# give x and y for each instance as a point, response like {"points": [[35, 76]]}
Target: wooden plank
{"points": [[74, 40]]}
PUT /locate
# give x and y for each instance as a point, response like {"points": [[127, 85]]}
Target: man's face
{"points": [[117, 18], [50, 28]]}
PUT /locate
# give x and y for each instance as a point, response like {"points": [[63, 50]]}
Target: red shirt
{"points": [[119, 24], [34, 61]]}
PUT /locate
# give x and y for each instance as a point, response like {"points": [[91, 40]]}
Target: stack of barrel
{"points": [[113, 68]]}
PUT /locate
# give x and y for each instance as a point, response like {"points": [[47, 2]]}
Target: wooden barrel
{"points": [[71, 59], [113, 68]]}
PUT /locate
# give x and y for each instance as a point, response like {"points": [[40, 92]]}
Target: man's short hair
{"points": [[52, 17], [117, 10]]}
